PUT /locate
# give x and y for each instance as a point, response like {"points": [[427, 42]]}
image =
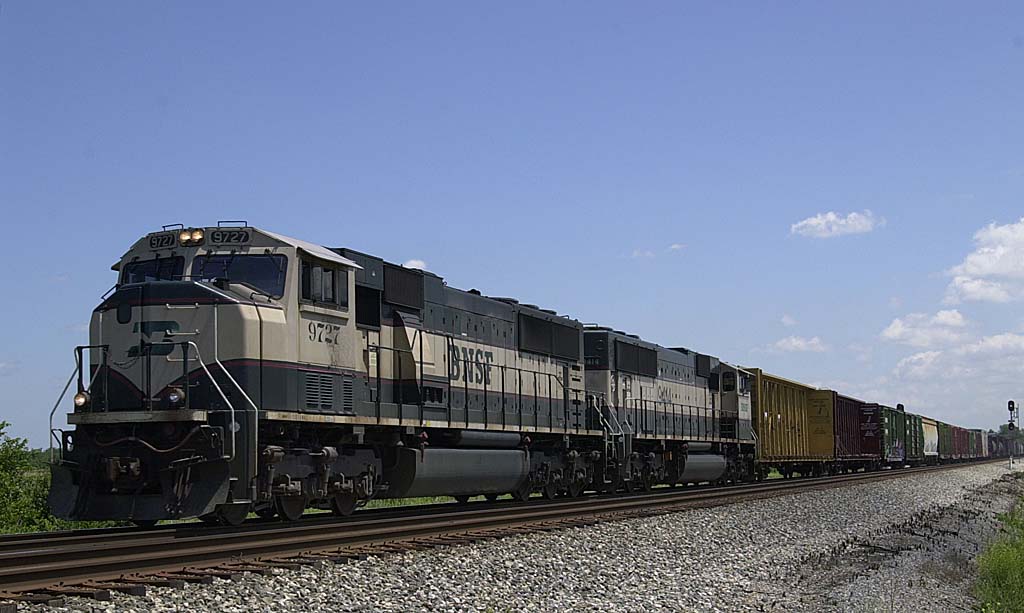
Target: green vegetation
{"points": [[1000, 585], [24, 485]]}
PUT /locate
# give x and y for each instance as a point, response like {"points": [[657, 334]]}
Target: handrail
{"points": [[63, 393], [216, 386]]}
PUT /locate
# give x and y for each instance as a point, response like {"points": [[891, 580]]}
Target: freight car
{"points": [[794, 426], [914, 439], [930, 432], [235, 370]]}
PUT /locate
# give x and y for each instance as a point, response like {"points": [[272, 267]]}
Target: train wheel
{"points": [[290, 507], [145, 524], [550, 491], [266, 512], [628, 485], [576, 488], [232, 514], [491, 497], [344, 504], [461, 499], [523, 493], [647, 481]]}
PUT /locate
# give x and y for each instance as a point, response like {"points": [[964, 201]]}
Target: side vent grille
{"points": [[346, 395], [319, 391]]}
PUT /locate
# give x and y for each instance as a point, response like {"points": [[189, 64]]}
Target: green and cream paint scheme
{"points": [[234, 370]]}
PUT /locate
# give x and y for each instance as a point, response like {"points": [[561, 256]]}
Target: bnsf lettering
{"points": [[470, 365], [319, 332]]}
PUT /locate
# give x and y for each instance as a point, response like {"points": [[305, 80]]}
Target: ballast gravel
{"points": [[766, 555]]}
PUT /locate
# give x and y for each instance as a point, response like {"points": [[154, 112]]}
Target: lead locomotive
{"points": [[234, 370]]}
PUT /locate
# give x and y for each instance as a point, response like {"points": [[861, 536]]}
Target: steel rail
{"points": [[34, 563]]}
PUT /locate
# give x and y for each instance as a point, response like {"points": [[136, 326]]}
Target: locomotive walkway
{"points": [[46, 567]]}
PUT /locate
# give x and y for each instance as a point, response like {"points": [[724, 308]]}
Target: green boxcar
{"points": [[894, 434], [915, 439], [945, 441]]}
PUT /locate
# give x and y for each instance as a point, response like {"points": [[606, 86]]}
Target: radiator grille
{"points": [[319, 391], [346, 394]]}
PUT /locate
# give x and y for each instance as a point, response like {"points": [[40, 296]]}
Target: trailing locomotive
{"points": [[234, 370]]}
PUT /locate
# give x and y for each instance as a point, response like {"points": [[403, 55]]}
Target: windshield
{"points": [[263, 272], [161, 269]]}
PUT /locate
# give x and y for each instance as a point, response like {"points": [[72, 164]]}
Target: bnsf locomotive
{"points": [[234, 370]]}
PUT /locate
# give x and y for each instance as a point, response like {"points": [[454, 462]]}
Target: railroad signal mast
{"points": [[1013, 424]]}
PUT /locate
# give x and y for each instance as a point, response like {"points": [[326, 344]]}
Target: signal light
{"points": [[81, 400]]}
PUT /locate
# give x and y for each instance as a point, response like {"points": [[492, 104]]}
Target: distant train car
{"points": [[857, 434], [894, 434], [914, 439], [930, 432], [794, 425], [947, 452], [961, 443]]}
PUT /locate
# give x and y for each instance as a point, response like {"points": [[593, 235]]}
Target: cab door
{"points": [[327, 341]]}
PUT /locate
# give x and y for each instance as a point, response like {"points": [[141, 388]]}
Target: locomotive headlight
{"points": [[197, 236], [184, 237], [175, 396], [81, 400]]}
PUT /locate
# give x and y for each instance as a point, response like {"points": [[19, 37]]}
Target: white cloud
{"points": [[832, 224], [788, 321], [994, 271], [922, 330], [642, 253], [1006, 344], [676, 247], [918, 366], [7, 367], [418, 264], [795, 344]]}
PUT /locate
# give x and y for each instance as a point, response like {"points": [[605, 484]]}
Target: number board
{"points": [[230, 237], [161, 241]]}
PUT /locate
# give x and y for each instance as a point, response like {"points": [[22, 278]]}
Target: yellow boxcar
{"points": [[793, 421]]}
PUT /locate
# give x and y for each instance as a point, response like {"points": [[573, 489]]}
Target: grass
{"points": [[1000, 586]]}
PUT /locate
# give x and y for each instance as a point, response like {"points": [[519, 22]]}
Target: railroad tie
{"points": [[100, 594], [216, 573], [245, 567], [186, 577], [155, 581], [33, 598], [132, 589]]}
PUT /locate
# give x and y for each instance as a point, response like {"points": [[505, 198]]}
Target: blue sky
{"points": [[556, 153]]}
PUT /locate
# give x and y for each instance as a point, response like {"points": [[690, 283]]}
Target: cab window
{"points": [[263, 272], [324, 285], [160, 269], [728, 381]]}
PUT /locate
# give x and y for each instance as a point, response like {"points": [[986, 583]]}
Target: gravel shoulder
{"points": [[846, 549]]}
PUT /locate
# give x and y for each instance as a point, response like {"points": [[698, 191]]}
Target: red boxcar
{"points": [[961, 444], [857, 433]]}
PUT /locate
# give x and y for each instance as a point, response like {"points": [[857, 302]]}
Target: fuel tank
{"points": [[701, 467], [454, 472]]}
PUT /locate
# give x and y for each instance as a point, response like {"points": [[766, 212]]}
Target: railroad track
{"points": [[92, 563]]}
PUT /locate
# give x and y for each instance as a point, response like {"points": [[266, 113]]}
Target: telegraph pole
{"points": [[1010, 427]]}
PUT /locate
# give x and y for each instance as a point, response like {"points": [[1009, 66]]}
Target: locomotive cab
{"points": [[180, 363]]}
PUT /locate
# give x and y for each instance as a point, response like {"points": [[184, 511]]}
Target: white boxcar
{"points": [[931, 439]]}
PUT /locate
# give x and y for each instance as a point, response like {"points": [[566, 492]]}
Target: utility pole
{"points": [[1010, 427]]}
